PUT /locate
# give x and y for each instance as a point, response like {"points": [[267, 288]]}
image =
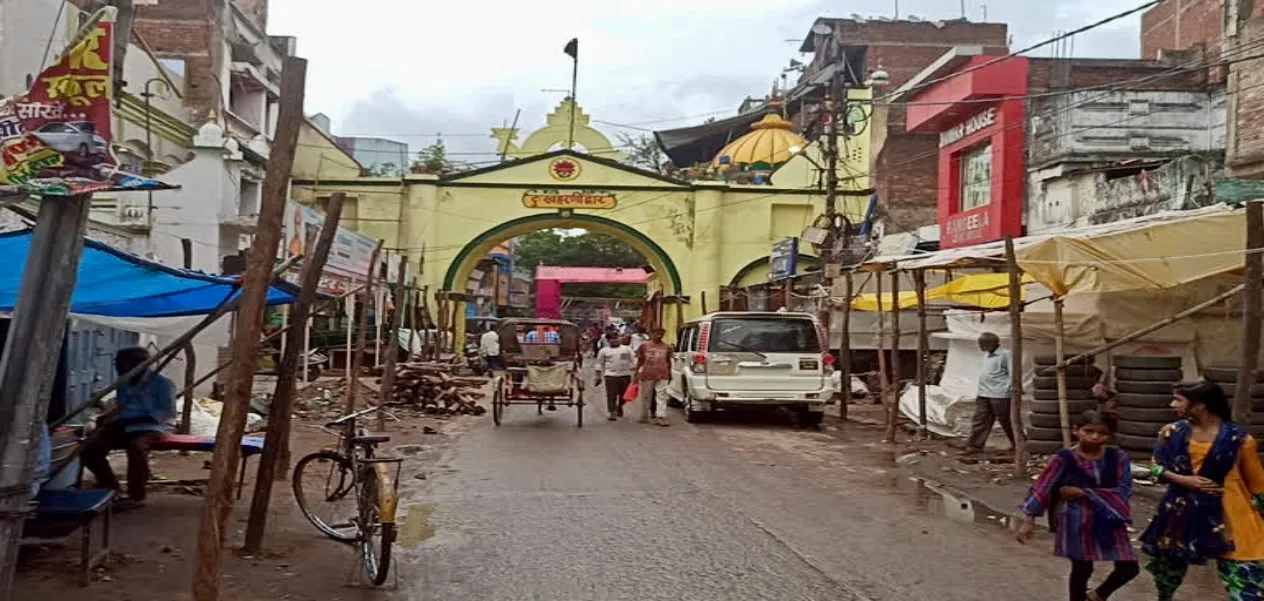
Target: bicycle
{"points": [[361, 481]]}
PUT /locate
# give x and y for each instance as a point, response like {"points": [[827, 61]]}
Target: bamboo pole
{"points": [[923, 348], [392, 349], [353, 385], [208, 573], [893, 410], [1159, 325], [328, 304], [274, 462], [883, 388], [349, 306], [1016, 364], [1253, 280], [1059, 339], [844, 346]]}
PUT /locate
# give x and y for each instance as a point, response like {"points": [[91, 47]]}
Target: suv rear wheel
{"points": [[811, 419], [692, 415]]}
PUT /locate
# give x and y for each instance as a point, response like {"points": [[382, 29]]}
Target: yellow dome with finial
{"points": [[768, 143]]}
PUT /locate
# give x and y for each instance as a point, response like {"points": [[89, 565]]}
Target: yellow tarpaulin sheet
{"points": [[1155, 256], [983, 290]]}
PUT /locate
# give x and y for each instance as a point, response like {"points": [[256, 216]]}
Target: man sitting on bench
{"points": [[145, 408]]}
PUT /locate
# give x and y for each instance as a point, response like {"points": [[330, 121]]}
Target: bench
{"points": [[206, 444], [60, 512]]}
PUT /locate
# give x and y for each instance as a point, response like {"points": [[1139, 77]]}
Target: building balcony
{"points": [[130, 214]]}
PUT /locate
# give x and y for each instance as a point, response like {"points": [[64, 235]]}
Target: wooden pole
{"points": [[893, 409], [392, 349], [1016, 366], [275, 461], [29, 362], [923, 349], [883, 389], [844, 346], [219, 494], [353, 385], [1159, 325], [266, 339], [1253, 280], [190, 355], [1059, 339], [349, 305]]}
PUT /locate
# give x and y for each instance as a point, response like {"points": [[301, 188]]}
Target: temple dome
{"points": [[768, 144]]}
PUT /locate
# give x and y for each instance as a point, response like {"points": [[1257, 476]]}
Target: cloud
{"points": [[402, 68]]}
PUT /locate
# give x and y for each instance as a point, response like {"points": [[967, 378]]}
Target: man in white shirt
{"points": [[993, 400], [616, 364], [638, 338], [489, 348]]}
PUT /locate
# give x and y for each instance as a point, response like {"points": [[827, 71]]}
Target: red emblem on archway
{"points": [[565, 169]]}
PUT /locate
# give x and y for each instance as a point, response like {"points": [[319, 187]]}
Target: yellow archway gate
{"points": [[697, 235]]}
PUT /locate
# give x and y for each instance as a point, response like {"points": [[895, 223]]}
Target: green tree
{"points": [[563, 249], [433, 159], [643, 151]]}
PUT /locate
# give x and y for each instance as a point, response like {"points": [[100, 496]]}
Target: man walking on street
{"points": [[653, 360], [994, 390], [489, 348], [615, 365]]}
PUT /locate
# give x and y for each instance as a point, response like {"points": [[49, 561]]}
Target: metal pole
{"points": [[29, 363], [349, 305], [274, 462]]}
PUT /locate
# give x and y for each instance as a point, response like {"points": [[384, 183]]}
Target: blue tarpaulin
{"points": [[117, 284]]}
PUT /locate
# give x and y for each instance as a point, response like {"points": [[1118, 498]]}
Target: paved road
{"points": [[745, 510]]}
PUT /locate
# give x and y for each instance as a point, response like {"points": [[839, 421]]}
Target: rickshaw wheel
{"points": [[498, 405]]}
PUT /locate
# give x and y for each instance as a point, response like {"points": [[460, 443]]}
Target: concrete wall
{"points": [[1101, 126]]}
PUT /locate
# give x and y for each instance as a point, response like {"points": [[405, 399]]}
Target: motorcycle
{"points": [[474, 361]]}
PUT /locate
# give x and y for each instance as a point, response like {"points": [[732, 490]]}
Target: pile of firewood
{"points": [[431, 388]]}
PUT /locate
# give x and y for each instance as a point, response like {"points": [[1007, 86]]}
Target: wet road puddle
{"points": [[934, 498], [416, 528]]}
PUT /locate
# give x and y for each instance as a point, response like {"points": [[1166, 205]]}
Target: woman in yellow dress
{"points": [[1211, 510]]}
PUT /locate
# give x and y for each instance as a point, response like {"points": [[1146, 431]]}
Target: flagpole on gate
{"points": [[572, 49]]}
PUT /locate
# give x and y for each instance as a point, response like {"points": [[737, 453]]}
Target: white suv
{"points": [[727, 360]]}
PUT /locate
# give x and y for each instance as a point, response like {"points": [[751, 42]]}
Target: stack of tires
{"points": [[1044, 432], [1227, 378], [1144, 387]]}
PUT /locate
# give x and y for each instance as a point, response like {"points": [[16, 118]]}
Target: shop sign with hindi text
{"points": [[569, 199], [55, 138]]}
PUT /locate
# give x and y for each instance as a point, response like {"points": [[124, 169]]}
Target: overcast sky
{"points": [[408, 70]]}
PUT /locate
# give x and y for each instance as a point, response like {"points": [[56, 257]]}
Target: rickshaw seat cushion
{"points": [[548, 378]]}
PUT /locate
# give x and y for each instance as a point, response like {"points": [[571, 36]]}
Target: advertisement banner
{"points": [[349, 258], [55, 139]]}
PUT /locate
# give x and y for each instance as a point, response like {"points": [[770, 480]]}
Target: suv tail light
{"points": [[700, 363], [828, 359]]}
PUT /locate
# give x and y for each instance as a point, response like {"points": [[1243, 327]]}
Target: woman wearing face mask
{"points": [[1215, 486]]}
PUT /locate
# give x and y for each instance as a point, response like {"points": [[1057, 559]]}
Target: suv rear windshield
{"points": [[764, 335]]}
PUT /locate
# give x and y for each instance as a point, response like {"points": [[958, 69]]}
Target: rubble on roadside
{"points": [[427, 389]]}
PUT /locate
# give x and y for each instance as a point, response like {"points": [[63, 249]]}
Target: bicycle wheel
{"points": [[498, 404], [375, 537], [323, 487]]}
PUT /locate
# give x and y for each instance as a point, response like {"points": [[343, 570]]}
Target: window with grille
{"points": [[976, 177]]}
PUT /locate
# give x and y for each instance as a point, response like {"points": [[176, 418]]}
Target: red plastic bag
{"points": [[633, 391]]}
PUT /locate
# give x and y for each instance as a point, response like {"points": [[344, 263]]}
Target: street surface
{"points": [[745, 509]]}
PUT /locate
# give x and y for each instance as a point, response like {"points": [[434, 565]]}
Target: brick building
{"points": [[1233, 31], [1012, 132], [904, 163]]}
